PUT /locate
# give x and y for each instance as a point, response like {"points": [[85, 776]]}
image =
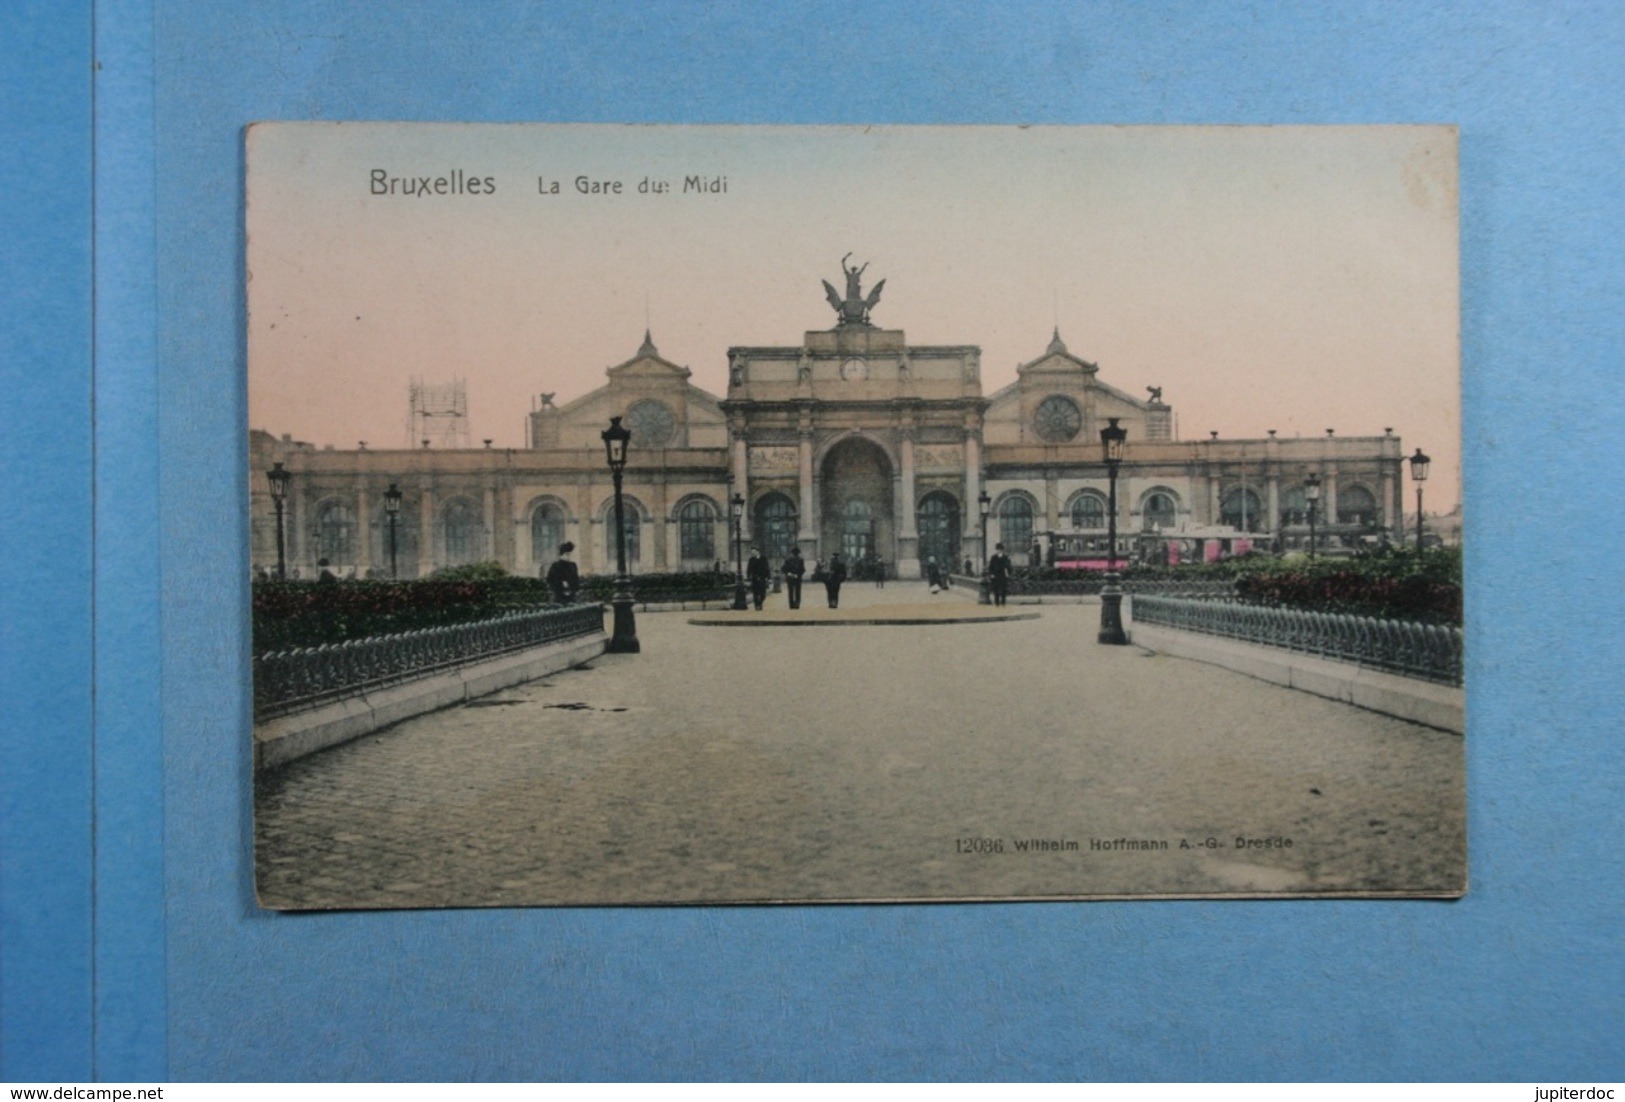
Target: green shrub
{"points": [[473, 572]]}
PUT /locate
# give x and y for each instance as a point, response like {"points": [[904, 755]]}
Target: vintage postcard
{"points": [[675, 515]]}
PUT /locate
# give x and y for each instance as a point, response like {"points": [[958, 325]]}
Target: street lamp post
{"points": [[1111, 597], [1311, 491], [278, 477], [392, 513], [1419, 475], [984, 594], [736, 509], [623, 637]]}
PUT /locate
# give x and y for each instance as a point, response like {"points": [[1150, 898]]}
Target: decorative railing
{"points": [[287, 681], [1429, 651]]}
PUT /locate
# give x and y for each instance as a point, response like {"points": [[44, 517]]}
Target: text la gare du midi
{"points": [[383, 181]]}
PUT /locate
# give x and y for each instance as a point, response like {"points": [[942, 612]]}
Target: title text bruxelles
{"points": [[456, 182]]}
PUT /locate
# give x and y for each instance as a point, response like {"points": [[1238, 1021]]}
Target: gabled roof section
{"points": [[1056, 360], [648, 362]]}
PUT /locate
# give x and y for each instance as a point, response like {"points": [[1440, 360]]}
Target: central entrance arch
{"points": [[856, 506]]}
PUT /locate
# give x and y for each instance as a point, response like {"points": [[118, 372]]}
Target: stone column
{"points": [[1391, 517], [293, 548], [523, 555], [1328, 499], [806, 522], [741, 465], [660, 522], [587, 555], [971, 514], [363, 509], [908, 532], [488, 517], [1272, 505], [426, 531]]}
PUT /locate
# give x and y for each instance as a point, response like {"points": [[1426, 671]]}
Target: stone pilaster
{"points": [[426, 539]]}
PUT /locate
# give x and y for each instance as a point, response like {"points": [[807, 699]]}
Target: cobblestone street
{"points": [[869, 762]]}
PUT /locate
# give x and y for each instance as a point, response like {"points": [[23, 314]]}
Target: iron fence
{"points": [[1429, 651], [290, 680]]}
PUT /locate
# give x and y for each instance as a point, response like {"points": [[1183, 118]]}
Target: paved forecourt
{"points": [[952, 760]]}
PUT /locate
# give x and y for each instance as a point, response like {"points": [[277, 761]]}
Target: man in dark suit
{"points": [[998, 573], [758, 575], [833, 577], [793, 569], [563, 578]]}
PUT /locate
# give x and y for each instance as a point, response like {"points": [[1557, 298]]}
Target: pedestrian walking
{"points": [[933, 575], [833, 577], [880, 573], [793, 569], [758, 575], [563, 577], [998, 572]]}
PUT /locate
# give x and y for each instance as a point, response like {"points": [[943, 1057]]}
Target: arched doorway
{"points": [[857, 502], [775, 525], [938, 522]]}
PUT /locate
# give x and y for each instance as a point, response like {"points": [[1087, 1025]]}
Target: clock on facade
{"points": [[854, 369], [651, 423], [1058, 419]]}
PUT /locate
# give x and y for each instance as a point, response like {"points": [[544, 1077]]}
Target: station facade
{"points": [[849, 440]]}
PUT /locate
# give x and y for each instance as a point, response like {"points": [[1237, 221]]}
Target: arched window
{"points": [[1088, 511], [462, 527], [1159, 510], [633, 515], [1241, 508], [335, 533], [1016, 523], [697, 531], [775, 525], [857, 530], [1294, 507], [1356, 505], [938, 523], [546, 532]]}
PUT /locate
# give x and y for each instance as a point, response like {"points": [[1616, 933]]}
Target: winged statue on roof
{"points": [[854, 308]]}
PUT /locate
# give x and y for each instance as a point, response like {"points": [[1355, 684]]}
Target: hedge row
{"points": [[308, 614], [1392, 583]]}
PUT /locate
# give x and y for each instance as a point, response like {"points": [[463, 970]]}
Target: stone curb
{"points": [[1432, 705], [287, 738]]}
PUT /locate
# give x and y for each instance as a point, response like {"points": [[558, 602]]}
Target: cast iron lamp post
{"points": [[736, 509], [984, 596], [279, 493], [392, 513], [1311, 491], [1111, 597], [623, 638], [1419, 475]]}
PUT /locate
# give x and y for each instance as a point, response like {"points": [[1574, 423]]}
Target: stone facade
{"points": [[851, 440]]}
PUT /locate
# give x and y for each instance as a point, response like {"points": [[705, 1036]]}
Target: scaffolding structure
{"points": [[438, 414]]}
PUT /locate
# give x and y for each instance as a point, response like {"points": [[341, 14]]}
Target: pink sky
{"points": [[1288, 278]]}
